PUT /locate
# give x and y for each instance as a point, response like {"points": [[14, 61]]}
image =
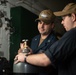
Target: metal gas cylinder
{"points": [[24, 67]]}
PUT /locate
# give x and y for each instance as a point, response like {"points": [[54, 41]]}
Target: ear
{"points": [[52, 25], [73, 17]]}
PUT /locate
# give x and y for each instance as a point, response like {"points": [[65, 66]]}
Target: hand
{"points": [[21, 47], [20, 58], [19, 51]]}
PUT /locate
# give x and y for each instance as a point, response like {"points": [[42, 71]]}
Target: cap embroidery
{"points": [[43, 15]]}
